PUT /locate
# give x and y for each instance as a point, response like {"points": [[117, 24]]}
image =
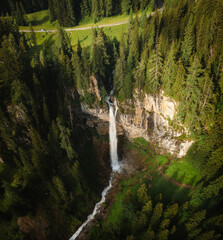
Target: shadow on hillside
{"points": [[39, 22]]}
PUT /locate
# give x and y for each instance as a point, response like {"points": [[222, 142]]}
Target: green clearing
{"points": [[180, 170], [183, 171], [84, 36], [170, 192], [41, 20], [162, 159]]}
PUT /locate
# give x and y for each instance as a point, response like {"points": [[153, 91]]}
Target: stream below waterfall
{"points": [[114, 164]]}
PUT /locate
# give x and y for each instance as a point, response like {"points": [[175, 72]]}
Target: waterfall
{"points": [[113, 135], [114, 164]]}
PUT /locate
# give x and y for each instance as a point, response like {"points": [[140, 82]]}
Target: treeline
{"points": [[70, 12], [43, 157]]}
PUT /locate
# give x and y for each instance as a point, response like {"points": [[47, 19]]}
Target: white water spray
{"points": [[113, 135], [114, 163]]}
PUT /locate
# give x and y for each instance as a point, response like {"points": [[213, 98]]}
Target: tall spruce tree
{"points": [[179, 82], [188, 44], [189, 107], [126, 6], [96, 10], [154, 71], [52, 10], [70, 14], [108, 8], [169, 72]]}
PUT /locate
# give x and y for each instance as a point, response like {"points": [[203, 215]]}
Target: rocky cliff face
{"points": [[148, 116]]}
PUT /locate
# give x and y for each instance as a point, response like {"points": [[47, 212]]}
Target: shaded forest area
{"points": [[49, 182], [178, 51]]}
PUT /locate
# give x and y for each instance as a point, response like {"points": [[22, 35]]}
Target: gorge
{"points": [[114, 164]]}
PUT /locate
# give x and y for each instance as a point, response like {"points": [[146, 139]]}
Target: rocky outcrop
{"points": [[151, 117], [94, 87]]}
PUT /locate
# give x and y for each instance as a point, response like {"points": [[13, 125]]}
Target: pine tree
{"points": [[189, 107], [65, 134], [80, 73], [19, 15], [143, 4], [85, 9], [171, 211], [140, 75], [135, 42], [70, 14], [123, 77], [131, 20], [195, 220], [163, 235], [165, 224], [143, 19], [152, 33], [154, 71], [179, 83], [60, 187], [63, 42], [52, 10], [173, 230], [108, 8], [157, 213], [214, 222], [209, 235], [214, 187], [99, 56], [142, 195], [126, 6], [188, 44], [169, 72], [147, 208], [59, 7], [208, 100], [96, 10]]}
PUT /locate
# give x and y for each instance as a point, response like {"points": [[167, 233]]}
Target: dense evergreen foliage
{"points": [[143, 216], [42, 140], [44, 171]]}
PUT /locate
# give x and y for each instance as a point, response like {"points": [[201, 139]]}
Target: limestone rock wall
{"points": [[148, 116]]}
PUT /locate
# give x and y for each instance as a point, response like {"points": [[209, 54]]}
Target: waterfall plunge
{"points": [[114, 164], [113, 136]]}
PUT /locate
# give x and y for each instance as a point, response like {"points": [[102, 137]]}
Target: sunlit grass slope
{"points": [[41, 20]]}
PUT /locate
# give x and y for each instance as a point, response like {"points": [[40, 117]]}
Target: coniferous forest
{"points": [[50, 175]]}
